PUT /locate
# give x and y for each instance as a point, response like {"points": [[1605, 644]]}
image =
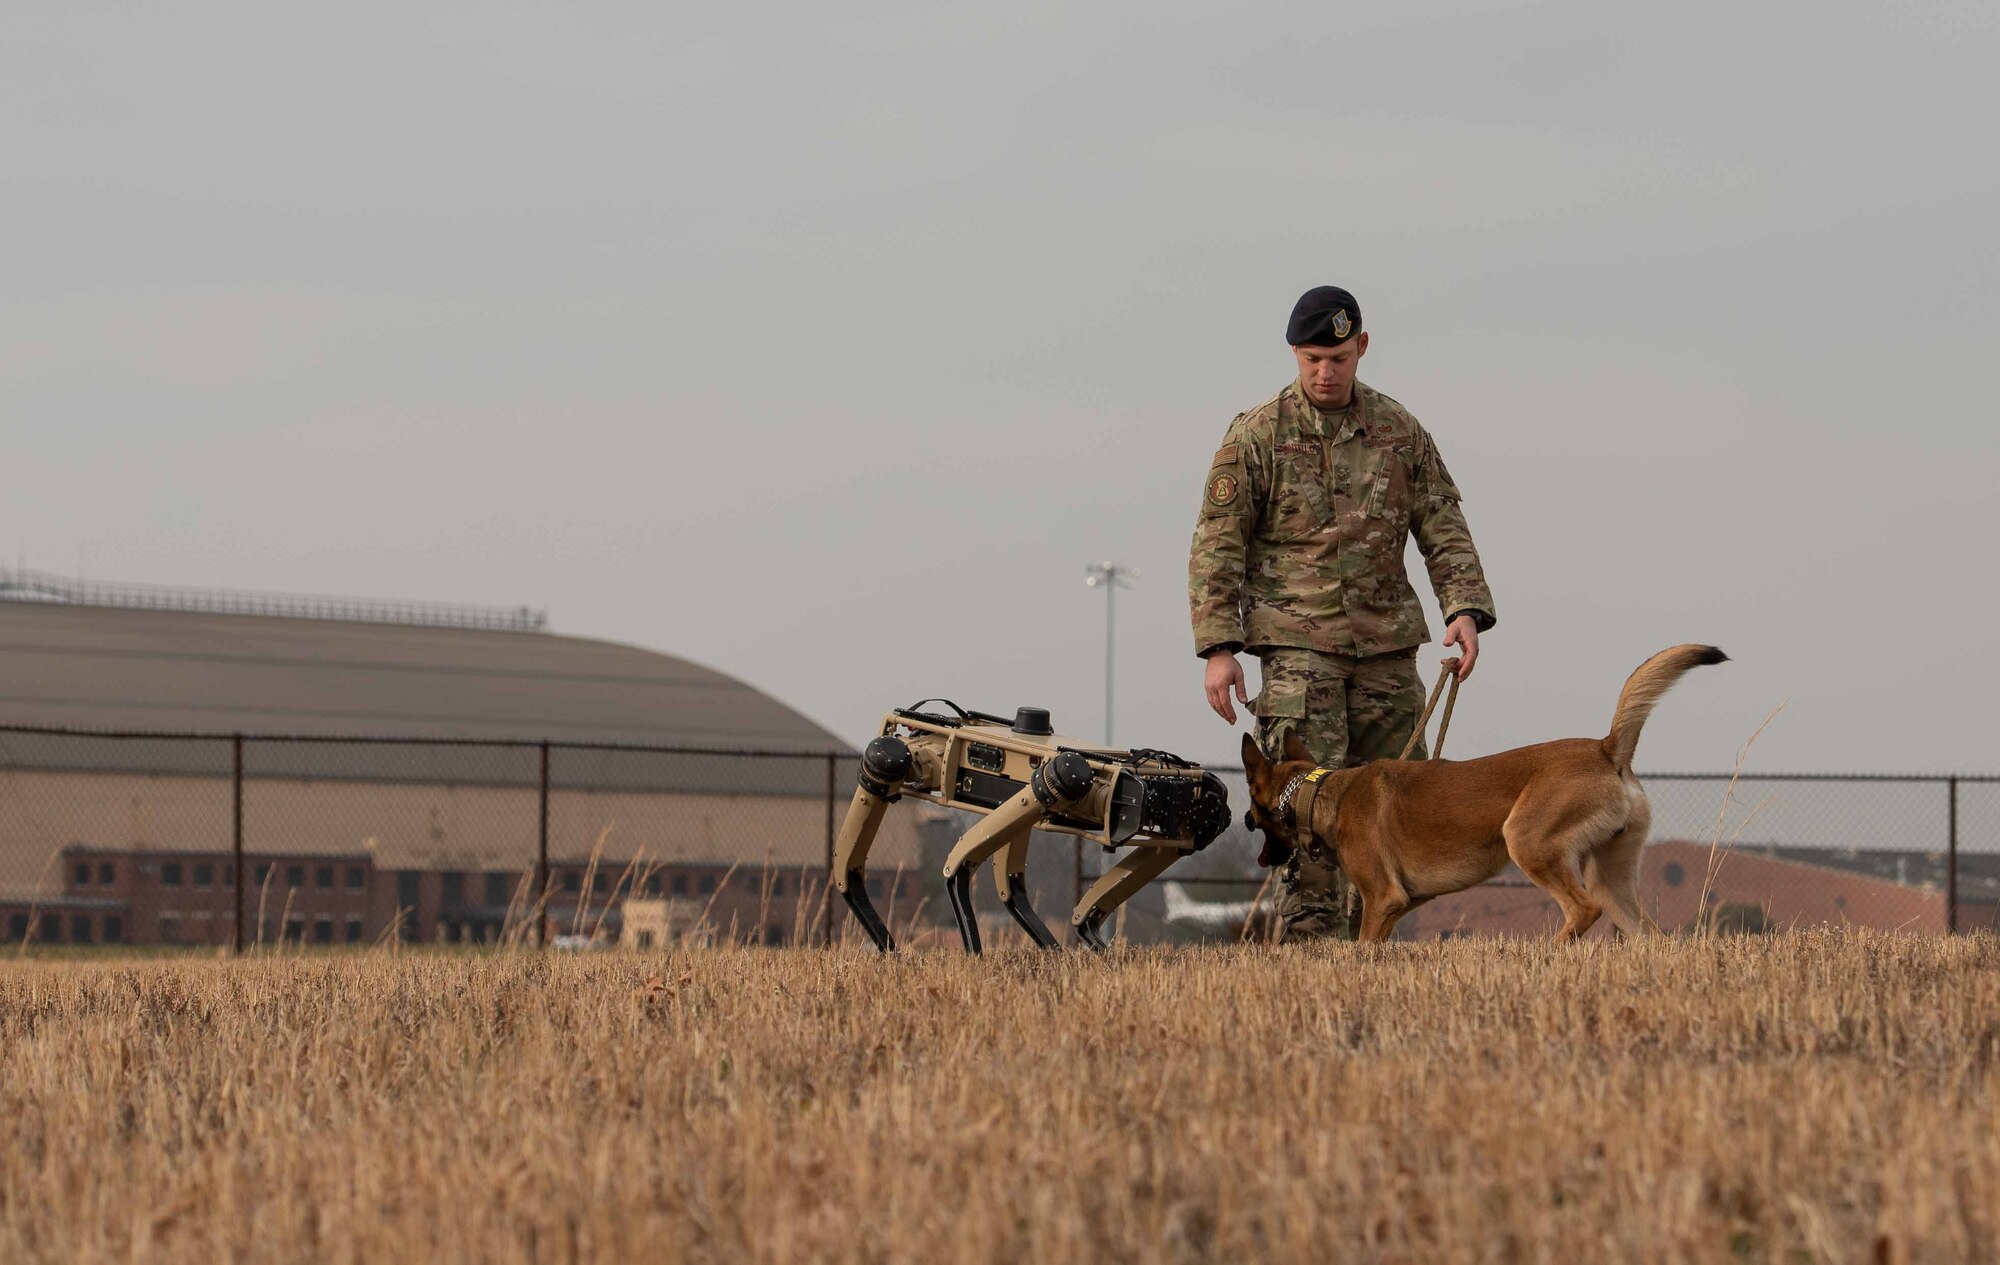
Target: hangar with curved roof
{"points": [[100, 667]]}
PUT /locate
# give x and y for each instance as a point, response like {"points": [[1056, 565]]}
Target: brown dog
{"points": [[1569, 813]]}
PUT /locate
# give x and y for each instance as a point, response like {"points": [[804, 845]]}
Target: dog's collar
{"points": [[1292, 809]]}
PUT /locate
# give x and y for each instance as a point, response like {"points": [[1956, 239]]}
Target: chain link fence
{"points": [[243, 842], [247, 842]]}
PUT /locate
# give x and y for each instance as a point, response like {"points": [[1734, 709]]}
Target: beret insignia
{"points": [[1342, 327], [1222, 489]]}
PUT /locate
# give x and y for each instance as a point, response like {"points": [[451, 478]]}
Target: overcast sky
{"points": [[825, 345]]}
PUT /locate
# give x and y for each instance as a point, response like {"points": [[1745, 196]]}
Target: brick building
{"points": [[126, 896]]}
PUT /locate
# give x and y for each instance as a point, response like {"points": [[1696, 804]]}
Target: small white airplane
{"points": [[1214, 915]]}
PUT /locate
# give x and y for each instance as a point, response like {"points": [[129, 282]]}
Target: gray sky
{"points": [[826, 344]]}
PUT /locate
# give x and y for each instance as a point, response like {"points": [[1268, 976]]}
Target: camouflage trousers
{"points": [[1347, 711]]}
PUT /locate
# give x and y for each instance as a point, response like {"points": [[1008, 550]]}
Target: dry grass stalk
{"points": [[1270, 922], [589, 877], [264, 896], [42, 884], [704, 930], [285, 918], [1716, 851], [629, 875]]}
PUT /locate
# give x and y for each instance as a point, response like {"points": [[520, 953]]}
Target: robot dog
{"points": [[1020, 776]]}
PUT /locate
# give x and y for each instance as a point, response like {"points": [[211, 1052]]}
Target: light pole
{"points": [[1109, 576]]}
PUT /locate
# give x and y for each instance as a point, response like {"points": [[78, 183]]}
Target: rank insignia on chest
{"points": [[1222, 489], [1342, 327]]}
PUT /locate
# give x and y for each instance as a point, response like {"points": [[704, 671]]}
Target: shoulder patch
{"points": [[1223, 486]]}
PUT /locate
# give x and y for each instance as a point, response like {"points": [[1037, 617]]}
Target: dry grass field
{"points": [[1789, 1098]]}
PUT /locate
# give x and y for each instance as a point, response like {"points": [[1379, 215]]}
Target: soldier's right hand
{"points": [[1222, 674]]}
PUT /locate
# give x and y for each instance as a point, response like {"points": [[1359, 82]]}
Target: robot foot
{"points": [[1087, 931], [1030, 922], [959, 888], [856, 896]]}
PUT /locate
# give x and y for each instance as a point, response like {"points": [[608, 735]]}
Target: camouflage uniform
{"points": [[1298, 556]]}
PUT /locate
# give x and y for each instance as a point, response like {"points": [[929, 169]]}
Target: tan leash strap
{"points": [[1444, 722], [1424, 722]]}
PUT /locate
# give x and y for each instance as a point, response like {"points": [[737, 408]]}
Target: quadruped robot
{"points": [[1021, 777]]}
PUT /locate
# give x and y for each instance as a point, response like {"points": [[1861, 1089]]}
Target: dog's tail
{"points": [[1643, 689]]}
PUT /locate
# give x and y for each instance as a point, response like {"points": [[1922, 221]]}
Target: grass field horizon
{"points": [[1821, 1096]]}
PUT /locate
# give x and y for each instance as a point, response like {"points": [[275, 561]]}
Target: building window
{"points": [[353, 930], [170, 874], [778, 885], [325, 878], [409, 889], [295, 876], [83, 874], [229, 874], [106, 872], [17, 927], [263, 873], [679, 885], [597, 883], [774, 935], [170, 929], [499, 889], [572, 881], [79, 929], [1674, 874], [357, 878], [295, 929], [652, 885], [454, 887], [114, 929], [322, 930], [875, 888], [204, 874]]}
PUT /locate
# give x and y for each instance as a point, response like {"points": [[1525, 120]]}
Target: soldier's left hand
{"points": [[1464, 633]]}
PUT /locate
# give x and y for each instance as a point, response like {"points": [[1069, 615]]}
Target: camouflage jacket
{"points": [[1302, 529]]}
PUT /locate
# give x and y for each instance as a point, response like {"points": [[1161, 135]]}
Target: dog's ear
{"points": [[1253, 758], [1294, 749]]}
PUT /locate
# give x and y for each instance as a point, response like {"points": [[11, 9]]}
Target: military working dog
{"points": [[1569, 813]]}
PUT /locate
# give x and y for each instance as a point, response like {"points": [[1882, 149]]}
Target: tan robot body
{"points": [[1020, 776]]}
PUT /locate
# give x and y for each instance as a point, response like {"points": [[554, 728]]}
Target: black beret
{"points": [[1324, 316]]}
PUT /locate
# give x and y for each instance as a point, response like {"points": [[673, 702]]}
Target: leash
{"points": [[1444, 724]]}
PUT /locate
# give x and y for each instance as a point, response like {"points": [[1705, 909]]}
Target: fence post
{"points": [[826, 893], [236, 833], [541, 903], [1951, 858]]}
